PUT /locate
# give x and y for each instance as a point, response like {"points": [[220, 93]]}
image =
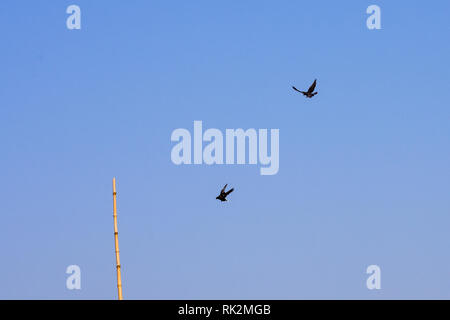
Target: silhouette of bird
{"points": [[223, 195], [309, 93]]}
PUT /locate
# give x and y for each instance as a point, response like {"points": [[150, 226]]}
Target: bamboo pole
{"points": [[116, 242]]}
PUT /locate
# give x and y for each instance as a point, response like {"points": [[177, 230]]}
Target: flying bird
{"points": [[223, 195], [310, 93]]}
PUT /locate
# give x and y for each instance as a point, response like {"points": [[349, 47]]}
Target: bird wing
{"points": [[297, 89], [223, 190], [313, 86], [229, 191]]}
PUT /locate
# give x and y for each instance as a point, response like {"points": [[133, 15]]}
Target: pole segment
{"points": [[116, 242]]}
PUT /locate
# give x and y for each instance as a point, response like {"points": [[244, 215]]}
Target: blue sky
{"points": [[364, 166]]}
